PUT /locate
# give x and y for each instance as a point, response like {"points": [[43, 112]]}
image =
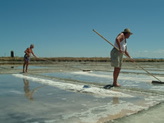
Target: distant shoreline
{"points": [[43, 60]]}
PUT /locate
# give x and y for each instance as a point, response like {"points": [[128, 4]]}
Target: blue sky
{"points": [[63, 28]]}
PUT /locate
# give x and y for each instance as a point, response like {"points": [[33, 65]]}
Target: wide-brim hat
{"points": [[127, 31]]}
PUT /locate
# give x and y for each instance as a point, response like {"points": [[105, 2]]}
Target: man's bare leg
{"points": [[27, 63], [115, 76], [24, 66]]}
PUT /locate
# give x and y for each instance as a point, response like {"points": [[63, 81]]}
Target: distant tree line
{"points": [[74, 59]]}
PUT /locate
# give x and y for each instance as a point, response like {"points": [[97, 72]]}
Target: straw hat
{"points": [[127, 31]]}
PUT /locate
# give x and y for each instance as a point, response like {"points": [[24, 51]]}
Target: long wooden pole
{"points": [[127, 56]]}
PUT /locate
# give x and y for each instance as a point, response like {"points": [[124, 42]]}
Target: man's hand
{"points": [[120, 50], [132, 60]]}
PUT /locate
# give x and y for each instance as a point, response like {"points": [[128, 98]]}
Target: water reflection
{"points": [[115, 100], [29, 93]]}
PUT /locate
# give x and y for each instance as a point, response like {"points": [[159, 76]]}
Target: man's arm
{"points": [[33, 54], [127, 54], [27, 52], [118, 40]]}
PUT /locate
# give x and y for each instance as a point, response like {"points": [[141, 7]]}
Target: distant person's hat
{"points": [[127, 31]]}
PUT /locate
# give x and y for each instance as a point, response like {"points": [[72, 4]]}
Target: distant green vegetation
{"points": [[15, 60]]}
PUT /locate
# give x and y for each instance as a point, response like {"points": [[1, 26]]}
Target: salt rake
{"points": [[155, 82]]}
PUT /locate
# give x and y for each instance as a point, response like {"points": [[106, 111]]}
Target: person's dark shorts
{"points": [[26, 58]]}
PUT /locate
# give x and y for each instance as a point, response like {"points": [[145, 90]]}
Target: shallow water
{"points": [[128, 80], [31, 67], [153, 115], [60, 97]]}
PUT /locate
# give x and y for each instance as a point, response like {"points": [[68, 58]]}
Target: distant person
{"points": [[117, 56], [27, 55]]}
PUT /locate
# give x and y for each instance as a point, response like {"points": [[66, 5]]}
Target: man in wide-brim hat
{"points": [[117, 55]]}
